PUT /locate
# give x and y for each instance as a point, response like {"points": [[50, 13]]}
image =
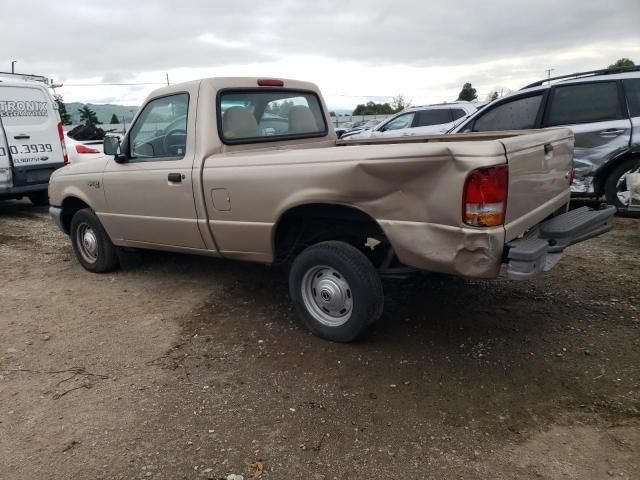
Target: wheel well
{"points": [[603, 172], [70, 206], [307, 225]]}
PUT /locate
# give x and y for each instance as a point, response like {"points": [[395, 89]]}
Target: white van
{"points": [[31, 137]]}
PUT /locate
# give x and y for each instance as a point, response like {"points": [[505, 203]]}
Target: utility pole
{"points": [[549, 70], [13, 69], [168, 80]]}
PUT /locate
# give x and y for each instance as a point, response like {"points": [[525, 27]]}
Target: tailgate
{"points": [[540, 166]]}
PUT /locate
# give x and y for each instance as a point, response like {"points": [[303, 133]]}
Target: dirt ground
{"points": [[188, 367]]}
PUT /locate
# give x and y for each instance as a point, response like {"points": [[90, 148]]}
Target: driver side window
{"points": [[160, 132]]}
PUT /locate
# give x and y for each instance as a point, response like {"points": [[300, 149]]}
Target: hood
{"points": [[93, 165]]}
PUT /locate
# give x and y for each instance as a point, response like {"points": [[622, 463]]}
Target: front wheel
{"points": [[615, 187], [336, 291], [91, 244]]}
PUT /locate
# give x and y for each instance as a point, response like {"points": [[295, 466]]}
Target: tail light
{"points": [[572, 175], [270, 82], [484, 201], [84, 149], [62, 144]]}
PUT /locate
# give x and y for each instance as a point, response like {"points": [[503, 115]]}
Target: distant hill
{"points": [[103, 111]]}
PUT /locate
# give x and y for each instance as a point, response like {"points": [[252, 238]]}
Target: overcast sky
{"points": [[351, 49]]}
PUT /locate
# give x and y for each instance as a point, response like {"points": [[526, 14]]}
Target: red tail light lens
{"points": [[484, 200], [270, 82], [83, 149], [62, 144]]}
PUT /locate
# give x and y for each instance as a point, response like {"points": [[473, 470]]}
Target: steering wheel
{"points": [[179, 140]]}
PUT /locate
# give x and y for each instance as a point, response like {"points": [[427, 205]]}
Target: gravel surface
{"points": [[188, 367]]}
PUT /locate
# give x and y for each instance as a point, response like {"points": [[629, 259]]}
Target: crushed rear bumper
{"points": [[540, 249]]}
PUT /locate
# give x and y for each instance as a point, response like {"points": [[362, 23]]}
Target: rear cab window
{"points": [[263, 115], [584, 103]]}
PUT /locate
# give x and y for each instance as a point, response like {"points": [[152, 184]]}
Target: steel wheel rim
{"points": [[327, 295], [622, 191], [87, 243]]}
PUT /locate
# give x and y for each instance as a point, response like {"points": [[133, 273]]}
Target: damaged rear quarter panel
{"points": [[413, 190]]}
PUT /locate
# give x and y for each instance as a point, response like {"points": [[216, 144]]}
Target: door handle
{"points": [[22, 136], [174, 177], [548, 148], [612, 132]]}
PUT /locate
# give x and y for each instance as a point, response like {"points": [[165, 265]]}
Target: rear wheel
{"points": [[91, 244], [615, 187], [336, 291], [39, 199]]}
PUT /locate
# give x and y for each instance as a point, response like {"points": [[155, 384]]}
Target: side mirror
{"points": [[111, 146]]}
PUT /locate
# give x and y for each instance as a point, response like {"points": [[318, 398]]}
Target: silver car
{"points": [[423, 120], [602, 108]]}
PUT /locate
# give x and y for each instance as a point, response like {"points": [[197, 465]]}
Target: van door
{"points": [[31, 128], [596, 113], [6, 174]]}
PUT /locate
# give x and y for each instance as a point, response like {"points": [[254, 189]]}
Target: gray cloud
{"points": [[117, 40]]}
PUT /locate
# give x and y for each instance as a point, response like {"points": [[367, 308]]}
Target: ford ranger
{"points": [[250, 169]]}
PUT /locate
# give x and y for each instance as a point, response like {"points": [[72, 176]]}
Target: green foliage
{"points": [[332, 114], [492, 96], [65, 118], [622, 62], [114, 119], [88, 116], [372, 108], [279, 108], [400, 103], [468, 93]]}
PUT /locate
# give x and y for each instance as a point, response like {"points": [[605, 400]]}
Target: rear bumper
{"points": [[16, 192], [542, 247]]}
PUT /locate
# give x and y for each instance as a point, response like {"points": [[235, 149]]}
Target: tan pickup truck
{"points": [[250, 169]]}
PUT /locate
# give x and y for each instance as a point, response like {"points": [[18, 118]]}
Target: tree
{"points": [[493, 96], [399, 103], [622, 62], [114, 119], [468, 93], [65, 118], [88, 116], [372, 108]]}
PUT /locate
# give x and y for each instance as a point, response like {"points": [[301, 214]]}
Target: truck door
{"points": [[150, 196], [6, 173], [596, 113]]}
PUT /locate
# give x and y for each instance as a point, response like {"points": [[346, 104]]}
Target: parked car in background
{"points": [[31, 137], [424, 120], [343, 128], [85, 150], [602, 108]]}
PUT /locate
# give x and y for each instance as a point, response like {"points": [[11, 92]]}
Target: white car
{"points": [[425, 120], [82, 150]]}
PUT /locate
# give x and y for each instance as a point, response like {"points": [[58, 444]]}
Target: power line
{"points": [[110, 84]]}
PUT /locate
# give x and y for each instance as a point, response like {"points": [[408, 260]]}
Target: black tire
{"points": [[342, 264], [611, 183], [85, 222], [39, 199]]}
